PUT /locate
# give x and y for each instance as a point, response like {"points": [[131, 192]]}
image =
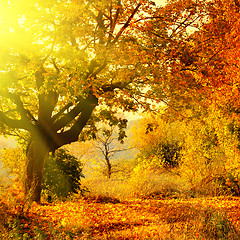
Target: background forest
{"points": [[121, 114]]}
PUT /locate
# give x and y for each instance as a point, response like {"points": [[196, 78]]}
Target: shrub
{"points": [[159, 142], [228, 184], [215, 225], [62, 175], [141, 184]]}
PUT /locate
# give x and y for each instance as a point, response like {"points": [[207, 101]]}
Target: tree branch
{"points": [[113, 21], [24, 113], [126, 24], [100, 68], [61, 111], [13, 123], [69, 117], [86, 108], [111, 87]]}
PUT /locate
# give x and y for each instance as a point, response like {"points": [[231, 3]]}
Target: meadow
{"points": [[107, 217]]}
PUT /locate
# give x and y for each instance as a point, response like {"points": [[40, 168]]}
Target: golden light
{"points": [[8, 17], [160, 2], [12, 19], [21, 20]]}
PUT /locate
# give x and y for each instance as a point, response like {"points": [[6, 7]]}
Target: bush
{"points": [[228, 184], [215, 225], [159, 142], [62, 175]]}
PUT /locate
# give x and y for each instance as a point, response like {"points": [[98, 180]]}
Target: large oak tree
{"points": [[60, 61]]}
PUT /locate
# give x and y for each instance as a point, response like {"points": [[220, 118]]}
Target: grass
{"points": [[138, 185], [122, 210], [202, 218], [149, 207]]}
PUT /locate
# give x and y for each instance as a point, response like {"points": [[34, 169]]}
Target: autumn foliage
{"points": [[141, 219], [69, 67]]}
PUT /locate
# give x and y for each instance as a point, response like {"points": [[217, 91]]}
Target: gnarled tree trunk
{"points": [[37, 153], [46, 137]]}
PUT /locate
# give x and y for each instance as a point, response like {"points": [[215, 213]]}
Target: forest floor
{"points": [[103, 218]]}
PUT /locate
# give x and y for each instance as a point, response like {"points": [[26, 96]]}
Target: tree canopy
{"points": [[61, 59], [205, 66]]}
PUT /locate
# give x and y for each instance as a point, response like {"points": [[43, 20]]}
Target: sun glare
{"points": [[160, 2], [21, 20], [8, 18], [12, 21]]}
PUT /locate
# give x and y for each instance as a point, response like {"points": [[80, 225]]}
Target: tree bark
{"points": [[37, 153], [109, 167]]}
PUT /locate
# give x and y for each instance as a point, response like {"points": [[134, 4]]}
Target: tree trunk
{"points": [[36, 155], [109, 167], [46, 137]]}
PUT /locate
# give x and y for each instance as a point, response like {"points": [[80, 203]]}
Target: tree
{"points": [[204, 76], [201, 86], [205, 67], [105, 148], [62, 59], [202, 81], [159, 142]]}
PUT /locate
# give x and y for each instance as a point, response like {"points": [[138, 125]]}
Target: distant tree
{"points": [[104, 152], [108, 145]]}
